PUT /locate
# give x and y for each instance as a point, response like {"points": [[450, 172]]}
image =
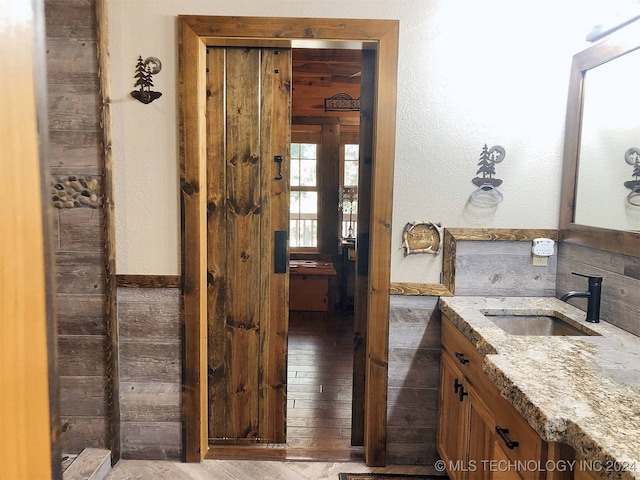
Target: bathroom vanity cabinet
{"points": [[480, 434]]}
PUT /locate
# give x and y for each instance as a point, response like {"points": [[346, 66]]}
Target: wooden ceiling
{"points": [[320, 74]]}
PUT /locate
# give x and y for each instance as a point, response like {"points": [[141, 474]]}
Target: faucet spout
{"points": [[574, 294], [593, 296]]}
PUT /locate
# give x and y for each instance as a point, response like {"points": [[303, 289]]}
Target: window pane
{"points": [[351, 151], [309, 203], [295, 150], [295, 172], [308, 150], [308, 173], [350, 164], [303, 223], [303, 165], [351, 173]]}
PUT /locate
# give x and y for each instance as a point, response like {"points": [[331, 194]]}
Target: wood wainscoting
{"points": [[476, 262], [149, 364], [451, 237]]}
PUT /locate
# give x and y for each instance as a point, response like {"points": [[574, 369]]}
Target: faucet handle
{"points": [[593, 279]]}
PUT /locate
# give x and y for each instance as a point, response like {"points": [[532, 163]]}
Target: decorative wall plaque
{"points": [[487, 193], [341, 102], [632, 157], [145, 69], [422, 237]]}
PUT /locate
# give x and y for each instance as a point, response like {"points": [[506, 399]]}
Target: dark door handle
{"points": [[278, 160], [280, 252]]}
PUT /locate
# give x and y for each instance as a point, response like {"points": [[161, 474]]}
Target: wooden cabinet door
{"points": [[453, 422], [499, 471], [248, 125], [481, 438]]}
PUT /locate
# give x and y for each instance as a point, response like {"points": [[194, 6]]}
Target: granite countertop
{"points": [[580, 390]]}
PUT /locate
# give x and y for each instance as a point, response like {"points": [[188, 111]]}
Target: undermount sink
{"points": [[536, 325]]}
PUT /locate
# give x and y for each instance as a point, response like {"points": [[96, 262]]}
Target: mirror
{"points": [[610, 129], [602, 127]]}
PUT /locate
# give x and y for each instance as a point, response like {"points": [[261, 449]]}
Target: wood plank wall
{"points": [[620, 282], [150, 372], [414, 361], [75, 150], [502, 269], [482, 267]]}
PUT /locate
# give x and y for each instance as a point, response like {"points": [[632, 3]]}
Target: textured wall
{"points": [[470, 73]]}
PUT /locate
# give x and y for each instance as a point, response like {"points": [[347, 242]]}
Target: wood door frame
{"points": [[195, 33]]}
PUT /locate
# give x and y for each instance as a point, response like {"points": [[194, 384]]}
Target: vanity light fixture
{"points": [[487, 193]]}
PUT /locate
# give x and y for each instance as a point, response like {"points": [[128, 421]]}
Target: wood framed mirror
{"points": [[611, 49]]}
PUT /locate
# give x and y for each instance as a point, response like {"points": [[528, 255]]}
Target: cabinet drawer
{"points": [[465, 355], [514, 428]]}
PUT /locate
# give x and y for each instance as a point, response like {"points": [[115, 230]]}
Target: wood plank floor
{"points": [[320, 365], [319, 386], [318, 418], [248, 470]]}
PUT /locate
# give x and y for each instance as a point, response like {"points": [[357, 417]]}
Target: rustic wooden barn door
{"points": [[248, 133]]}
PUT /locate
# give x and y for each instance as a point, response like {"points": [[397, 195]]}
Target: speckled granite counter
{"points": [[582, 390]]}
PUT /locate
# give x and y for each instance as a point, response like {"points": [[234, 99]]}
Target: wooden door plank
{"points": [[275, 135], [243, 237], [217, 243]]}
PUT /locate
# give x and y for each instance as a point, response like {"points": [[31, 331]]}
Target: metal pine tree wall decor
{"points": [[487, 193], [145, 69], [632, 157]]}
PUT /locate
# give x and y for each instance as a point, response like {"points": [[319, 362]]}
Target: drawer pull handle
{"points": [[462, 394], [503, 435], [460, 357], [456, 386]]}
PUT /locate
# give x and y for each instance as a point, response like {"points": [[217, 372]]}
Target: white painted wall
{"points": [[470, 72]]}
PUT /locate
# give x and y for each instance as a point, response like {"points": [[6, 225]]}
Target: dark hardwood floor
{"points": [[320, 366]]}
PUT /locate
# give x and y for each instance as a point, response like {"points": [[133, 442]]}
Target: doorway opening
{"points": [[196, 33], [325, 177]]}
